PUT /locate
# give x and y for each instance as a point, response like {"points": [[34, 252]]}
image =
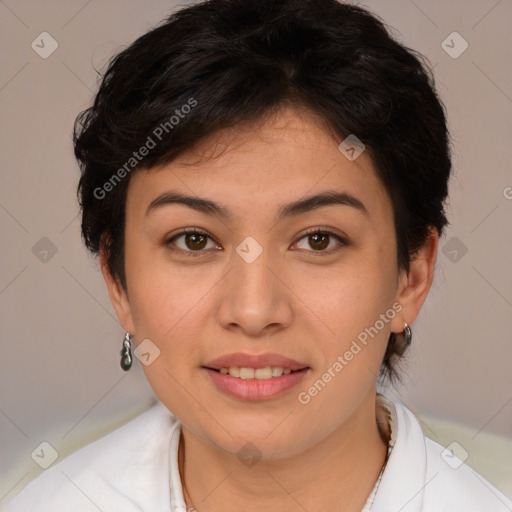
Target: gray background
{"points": [[59, 370]]}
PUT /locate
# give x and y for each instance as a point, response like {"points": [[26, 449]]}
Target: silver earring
{"points": [[407, 334], [126, 353]]}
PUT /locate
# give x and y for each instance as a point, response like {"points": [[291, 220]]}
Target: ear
{"points": [[118, 295], [413, 286]]}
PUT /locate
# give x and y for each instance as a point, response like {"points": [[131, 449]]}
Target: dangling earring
{"points": [[126, 353], [407, 334]]}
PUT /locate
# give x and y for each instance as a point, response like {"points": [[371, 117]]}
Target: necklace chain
{"points": [[379, 478]]}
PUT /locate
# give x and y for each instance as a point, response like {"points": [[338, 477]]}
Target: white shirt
{"points": [[135, 468]]}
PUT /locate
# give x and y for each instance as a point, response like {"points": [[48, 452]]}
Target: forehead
{"points": [[259, 166]]}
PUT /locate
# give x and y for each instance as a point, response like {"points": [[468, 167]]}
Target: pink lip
{"points": [[240, 360], [256, 389]]}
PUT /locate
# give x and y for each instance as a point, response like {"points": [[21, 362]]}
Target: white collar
{"points": [[403, 481]]}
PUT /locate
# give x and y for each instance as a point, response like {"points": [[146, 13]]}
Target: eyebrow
{"points": [[326, 198]]}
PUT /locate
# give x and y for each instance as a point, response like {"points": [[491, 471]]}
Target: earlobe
{"points": [[117, 295], [415, 285]]}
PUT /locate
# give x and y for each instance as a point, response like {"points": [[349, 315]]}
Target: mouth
{"points": [[255, 384], [261, 376]]}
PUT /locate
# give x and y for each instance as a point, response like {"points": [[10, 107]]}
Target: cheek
{"points": [[347, 298], [159, 292], [349, 303], [164, 310], [350, 341], [168, 310], [171, 307]]}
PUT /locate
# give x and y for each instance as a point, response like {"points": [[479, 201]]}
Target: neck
{"points": [[341, 470]]}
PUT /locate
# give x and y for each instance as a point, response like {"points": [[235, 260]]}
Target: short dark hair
{"points": [[233, 61]]}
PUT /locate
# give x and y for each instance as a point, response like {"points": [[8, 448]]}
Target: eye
{"points": [[194, 239], [319, 239]]}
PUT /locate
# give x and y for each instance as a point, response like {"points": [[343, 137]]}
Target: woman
{"points": [[264, 184]]}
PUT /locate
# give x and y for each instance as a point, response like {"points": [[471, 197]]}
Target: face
{"points": [[261, 285]]}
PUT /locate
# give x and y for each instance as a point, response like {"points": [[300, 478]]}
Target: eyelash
{"points": [[312, 231]]}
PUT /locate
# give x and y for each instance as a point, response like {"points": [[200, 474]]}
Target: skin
{"points": [[325, 455]]}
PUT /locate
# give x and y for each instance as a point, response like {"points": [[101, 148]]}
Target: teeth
{"points": [[234, 372], [255, 373], [277, 372], [263, 373], [247, 373]]}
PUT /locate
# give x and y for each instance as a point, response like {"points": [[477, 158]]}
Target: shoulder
{"points": [[421, 475], [126, 470], [453, 485]]}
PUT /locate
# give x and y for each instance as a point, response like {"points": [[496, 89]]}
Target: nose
{"points": [[256, 300]]}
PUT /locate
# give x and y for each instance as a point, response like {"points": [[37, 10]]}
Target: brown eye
{"points": [[194, 241], [319, 240]]}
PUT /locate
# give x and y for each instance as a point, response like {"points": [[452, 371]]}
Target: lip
{"points": [[240, 360], [255, 389]]}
